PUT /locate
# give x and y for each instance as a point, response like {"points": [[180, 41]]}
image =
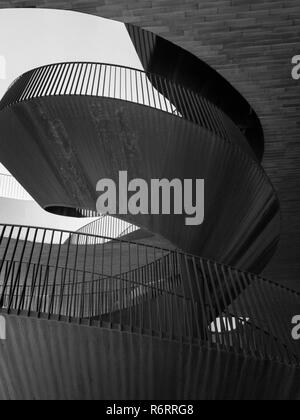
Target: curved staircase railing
{"points": [[146, 290], [126, 84], [110, 282], [106, 226], [59, 85]]}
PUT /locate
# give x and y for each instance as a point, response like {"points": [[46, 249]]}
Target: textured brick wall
{"points": [[250, 43]]}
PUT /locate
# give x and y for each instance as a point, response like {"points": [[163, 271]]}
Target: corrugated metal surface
{"points": [[50, 360]]}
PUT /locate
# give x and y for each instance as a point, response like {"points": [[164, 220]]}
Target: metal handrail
{"points": [[148, 289], [127, 84], [107, 226]]}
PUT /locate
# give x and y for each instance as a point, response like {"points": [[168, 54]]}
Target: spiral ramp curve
{"points": [[174, 291]]}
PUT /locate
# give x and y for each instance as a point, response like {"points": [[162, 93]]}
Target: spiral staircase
{"points": [[177, 312]]}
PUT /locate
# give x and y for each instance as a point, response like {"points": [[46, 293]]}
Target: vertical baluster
{"points": [[26, 279], [6, 279]]}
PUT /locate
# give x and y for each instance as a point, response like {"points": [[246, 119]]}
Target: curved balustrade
{"points": [[10, 188], [105, 226], [94, 119], [102, 280], [127, 84], [145, 289]]}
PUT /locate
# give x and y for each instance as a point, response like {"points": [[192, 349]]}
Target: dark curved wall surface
{"points": [[49, 360], [77, 141], [167, 59]]}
